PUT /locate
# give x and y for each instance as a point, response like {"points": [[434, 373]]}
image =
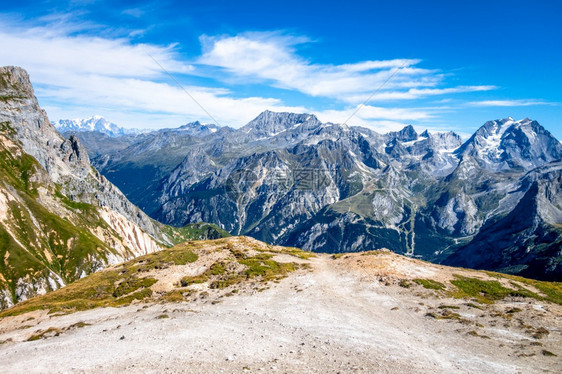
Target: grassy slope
{"points": [[37, 245], [36, 242], [132, 280], [194, 231]]}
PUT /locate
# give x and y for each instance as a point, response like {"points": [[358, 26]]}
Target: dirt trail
{"points": [[327, 320]]}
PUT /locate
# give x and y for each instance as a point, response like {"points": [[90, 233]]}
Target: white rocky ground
{"points": [[340, 316]]}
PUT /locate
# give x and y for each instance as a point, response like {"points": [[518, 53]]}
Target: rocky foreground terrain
{"points": [[240, 305]]}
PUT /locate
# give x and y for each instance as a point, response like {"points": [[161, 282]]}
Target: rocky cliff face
{"points": [[65, 160], [528, 239], [59, 218]]}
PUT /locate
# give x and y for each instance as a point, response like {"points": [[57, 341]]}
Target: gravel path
{"points": [[326, 320]]}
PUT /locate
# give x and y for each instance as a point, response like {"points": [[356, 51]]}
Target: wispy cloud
{"points": [[272, 57], [508, 103], [91, 73], [80, 69]]}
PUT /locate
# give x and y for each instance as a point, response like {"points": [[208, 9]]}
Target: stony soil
{"points": [[342, 315]]}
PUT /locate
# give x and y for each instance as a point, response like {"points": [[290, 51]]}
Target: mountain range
{"points": [[490, 202], [94, 123]]}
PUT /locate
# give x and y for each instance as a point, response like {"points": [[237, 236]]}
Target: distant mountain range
{"points": [[490, 202], [100, 125], [94, 123]]}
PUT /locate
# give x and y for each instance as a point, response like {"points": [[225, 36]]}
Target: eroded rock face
{"points": [[65, 160], [59, 218]]}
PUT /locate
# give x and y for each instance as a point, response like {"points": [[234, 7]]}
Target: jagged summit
{"points": [[407, 134], [507, 143], [15, 81], [270, 123], [199, 129]]}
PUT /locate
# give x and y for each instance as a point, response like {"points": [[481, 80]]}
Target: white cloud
{"points": [[272, 57], [46, 51], [77, 74], [370, 113], [130, 95], [508, 103], [93, 75]]}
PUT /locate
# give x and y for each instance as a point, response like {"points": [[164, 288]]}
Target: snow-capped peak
{"points": [[509, 143], [95, 123]]}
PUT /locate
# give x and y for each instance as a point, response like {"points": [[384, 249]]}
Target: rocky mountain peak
{"points": [[14, 82], [407, 134], [74, 153], [506, 143], [270, 123], [199, 129], [65, 160]]}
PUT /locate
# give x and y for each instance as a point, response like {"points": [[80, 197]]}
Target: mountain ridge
{"points": [[425, 195], [95, 123]]}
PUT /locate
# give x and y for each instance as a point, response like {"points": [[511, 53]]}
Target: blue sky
{"points": [[452, 64]]}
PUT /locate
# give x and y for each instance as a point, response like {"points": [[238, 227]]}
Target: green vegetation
{"points": [[179, 255], [473, 306], [261, 267], [173, 297], [513, 310], [51, 331], [6, 98], [486, 291], [405, 283], [292, 251], [132, 284], [540, 333], [552, 291], [6, 128], [489, 291], [133, 280], [448, 307], [474, 333], [16, 169], [112, 287], [36, 243], [218, 268], [296, 252], [71, 204], [188, 281], [376, 252], [102, 289], [194, 231], [445, 314], [430, 284]]}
